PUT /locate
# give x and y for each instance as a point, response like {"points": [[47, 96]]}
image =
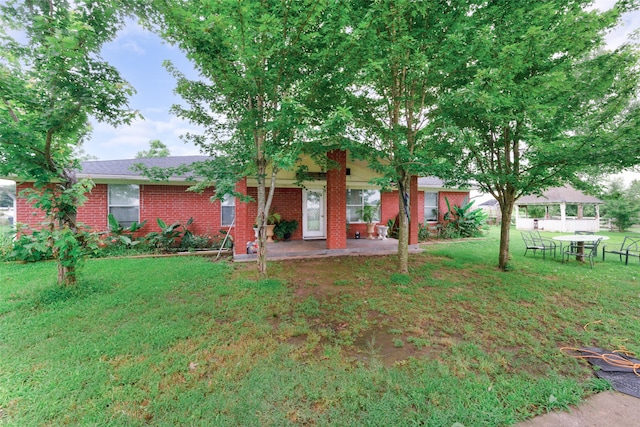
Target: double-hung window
{"points": [[124, 203], [358, 199], [430, 206], [228, 209]]}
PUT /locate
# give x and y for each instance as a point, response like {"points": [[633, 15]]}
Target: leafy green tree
{"points": [[538, 100], [265, 66], [403, 55], [53, 79], [156, 149], [622, 205]]}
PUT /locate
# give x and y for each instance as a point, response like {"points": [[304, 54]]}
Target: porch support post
{"points": [[413, 211], [337, 201], [243, 231], [563, 217]]}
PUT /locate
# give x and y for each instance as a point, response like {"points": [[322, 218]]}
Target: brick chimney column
{"points": [[337, 201]]}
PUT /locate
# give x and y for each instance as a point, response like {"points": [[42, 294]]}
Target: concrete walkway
{"points": [[609, 408]]}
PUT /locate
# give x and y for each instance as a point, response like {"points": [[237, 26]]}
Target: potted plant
{"points": [[366, 215], [272, 220], [285, 228]]}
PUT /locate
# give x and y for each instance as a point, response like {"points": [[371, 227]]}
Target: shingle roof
{"points": [[556, 195], [124, 168], [490, 202], [430, 181]]}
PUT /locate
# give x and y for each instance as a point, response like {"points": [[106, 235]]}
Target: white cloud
{"points": [[125, 141]]}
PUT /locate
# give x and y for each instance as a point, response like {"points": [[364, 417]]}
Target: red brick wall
{"points": [[173, 203], [242, 231], [337, 201], [25, 212], [95, 210], [167, 202]]}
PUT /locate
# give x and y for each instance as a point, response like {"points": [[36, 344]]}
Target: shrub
{"points": [[463, 222], [285, 228], [31, 246]]}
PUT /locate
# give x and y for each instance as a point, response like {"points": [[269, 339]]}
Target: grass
{"points": [[336, 341]]}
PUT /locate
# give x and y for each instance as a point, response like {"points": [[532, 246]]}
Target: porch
{"points": [[318, 249]]}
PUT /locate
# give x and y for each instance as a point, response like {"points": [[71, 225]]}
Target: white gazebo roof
{"points": [[559, 195]]}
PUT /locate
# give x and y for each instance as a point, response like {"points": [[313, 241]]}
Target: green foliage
{"points": [[368, 213], [31, 246], [623, 212], [124, 235], [285, 228], [393, 231], [462, 221], [169, 236], [6, 242], [156, 149], [622, 205], [425, 232], [273, 218]]}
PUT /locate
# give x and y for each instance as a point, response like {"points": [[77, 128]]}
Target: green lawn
{"points": [[337, 341]]}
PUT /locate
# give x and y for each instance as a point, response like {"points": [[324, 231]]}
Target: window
{"points": [[124, 203], [357, 199], [228, 209], [430, 206]]}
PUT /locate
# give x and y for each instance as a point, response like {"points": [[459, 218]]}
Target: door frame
{"points": [[322, 234]]}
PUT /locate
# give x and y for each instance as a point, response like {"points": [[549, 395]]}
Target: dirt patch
{"points": [[389, 348]]}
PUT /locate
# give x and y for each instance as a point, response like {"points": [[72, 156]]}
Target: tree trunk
{"points": [[403, 222], [506, 208], [264, 206], [67, 220], [66, 275], [262, 222]]}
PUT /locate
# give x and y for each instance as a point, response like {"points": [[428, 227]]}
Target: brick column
{"points": [[414, 209], [243, 230], [337, 201]]}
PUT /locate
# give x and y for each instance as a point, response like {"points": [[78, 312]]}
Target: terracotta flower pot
{"points": [[270, 228], [371, 229]]}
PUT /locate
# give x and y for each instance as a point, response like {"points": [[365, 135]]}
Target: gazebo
{"points": [[562, 196]]}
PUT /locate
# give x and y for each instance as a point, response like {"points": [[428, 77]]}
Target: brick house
{"points": [[323, 208]]}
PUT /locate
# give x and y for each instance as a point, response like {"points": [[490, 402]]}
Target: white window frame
{"points": [[227, 202], [136, 204], [430, 207], [377, 203]]}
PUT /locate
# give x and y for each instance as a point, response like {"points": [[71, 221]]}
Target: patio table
{"points": [[580, 239]]}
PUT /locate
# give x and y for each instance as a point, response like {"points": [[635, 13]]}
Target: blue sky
{"points": [[138, 55]]}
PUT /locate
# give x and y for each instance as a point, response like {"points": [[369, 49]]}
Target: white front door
{"points": [[313, 218]]}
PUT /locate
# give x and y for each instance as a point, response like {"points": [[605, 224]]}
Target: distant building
{"points": [[559, 196]]}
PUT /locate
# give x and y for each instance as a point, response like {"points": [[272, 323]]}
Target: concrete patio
{"points": [[318, 249]]}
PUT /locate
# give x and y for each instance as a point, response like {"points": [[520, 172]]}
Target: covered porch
{"points": [[321, 210], [318, 249]]}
